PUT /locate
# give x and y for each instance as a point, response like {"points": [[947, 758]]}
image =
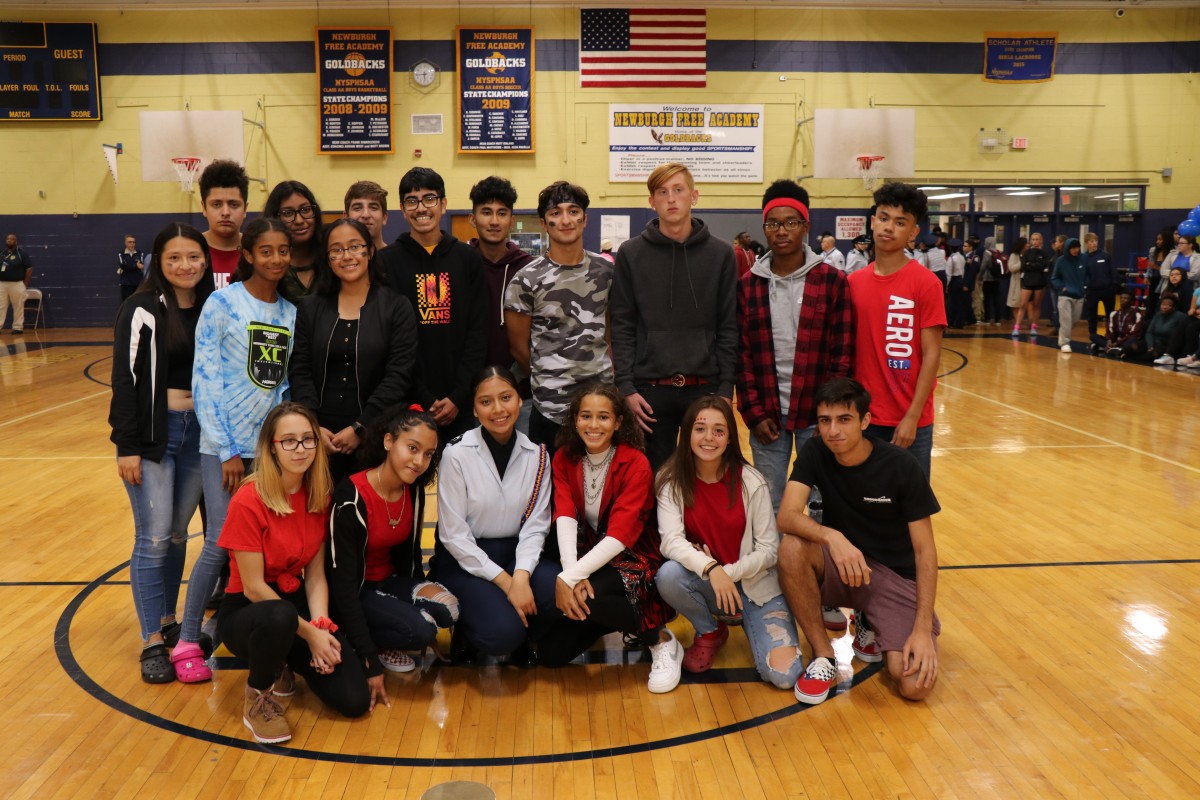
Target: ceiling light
{"points": [[930, 188], [1013, 188], [949, 196], [1024, 194], [1070, 188]]}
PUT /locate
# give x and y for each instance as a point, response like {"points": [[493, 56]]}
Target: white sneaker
{"points": [[666, 665], [1186, 361], [1165, 361], [1066, 348], [834, 618]]}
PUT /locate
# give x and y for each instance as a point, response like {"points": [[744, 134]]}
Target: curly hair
{"points": [[628, 434]]}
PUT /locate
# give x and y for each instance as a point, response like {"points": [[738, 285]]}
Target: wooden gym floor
{"points": [[1069, 595]]}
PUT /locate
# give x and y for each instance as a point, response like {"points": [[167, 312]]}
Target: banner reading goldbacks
{"points": [[354, 90], [495, 90], [720, 143]]}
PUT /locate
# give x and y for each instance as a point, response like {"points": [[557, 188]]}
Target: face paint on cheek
{"points": [[551, 223]]}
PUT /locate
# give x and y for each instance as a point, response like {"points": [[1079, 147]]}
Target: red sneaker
{"points": [[819, 677], [865, 646], [699, 657]]}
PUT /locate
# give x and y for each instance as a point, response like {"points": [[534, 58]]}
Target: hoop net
{"points": [[186, 168], [866, 171]]}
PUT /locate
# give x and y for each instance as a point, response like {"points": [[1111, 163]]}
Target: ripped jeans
{"points": [[767, 626], [400, 620], [163, 505]]}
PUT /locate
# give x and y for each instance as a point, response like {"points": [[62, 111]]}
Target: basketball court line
{"points": [[54, 408], [1072, 428], [1020, 448]]}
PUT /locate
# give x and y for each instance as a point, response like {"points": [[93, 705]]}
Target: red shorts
{"points": [[889, 601]]}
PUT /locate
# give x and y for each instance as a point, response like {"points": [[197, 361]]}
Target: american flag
{"points": [[637, 47]]}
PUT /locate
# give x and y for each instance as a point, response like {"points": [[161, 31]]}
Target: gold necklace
{"points": [[393, 521]]}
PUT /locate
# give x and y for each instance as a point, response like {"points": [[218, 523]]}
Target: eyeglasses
{"points": [[792, 224], [305, 212], [195, 259], [428, 200], [290, 444], [354, 249]]}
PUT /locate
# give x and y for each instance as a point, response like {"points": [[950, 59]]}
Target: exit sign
{"points": [[1020, 142]]}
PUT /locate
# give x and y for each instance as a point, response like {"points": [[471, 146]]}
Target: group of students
{"points": [[311, 429]]}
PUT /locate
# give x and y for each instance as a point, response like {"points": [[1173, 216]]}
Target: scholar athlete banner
{"points": [[719, 143], [1019, 57], [495, 90], [354, 85]]}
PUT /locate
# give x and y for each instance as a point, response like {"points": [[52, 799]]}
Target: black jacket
{"points": [[346, 564], [449, 296], [138, 411], [386, 351]]}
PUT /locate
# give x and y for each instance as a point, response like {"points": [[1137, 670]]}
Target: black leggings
{"points": [[610, 610], [264, 633]]}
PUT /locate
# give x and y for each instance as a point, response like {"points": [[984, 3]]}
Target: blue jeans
{"points": [[213, 557], [921, 447], [163, 505], [767, 626], [773, 459]]}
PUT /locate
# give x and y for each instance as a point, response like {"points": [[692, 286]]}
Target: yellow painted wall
{"points": [[1083, 128]]}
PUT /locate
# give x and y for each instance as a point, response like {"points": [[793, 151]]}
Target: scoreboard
{"points": [[48, 71]]}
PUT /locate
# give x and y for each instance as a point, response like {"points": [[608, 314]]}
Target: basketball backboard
{"points": [[841, 135], [208, 135]]}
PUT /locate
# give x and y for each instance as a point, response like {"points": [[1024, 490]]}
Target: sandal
{"points": [[188, 659], [156, 665]]}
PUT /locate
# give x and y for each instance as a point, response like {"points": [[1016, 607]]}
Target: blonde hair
{"points": [[664, 172], [268, 476], [1090, 237]]}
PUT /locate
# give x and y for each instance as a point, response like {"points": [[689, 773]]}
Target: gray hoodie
{"points": [[787, 294]]}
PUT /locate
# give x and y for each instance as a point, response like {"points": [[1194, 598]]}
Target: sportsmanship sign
{"points": [[1019, 57], [354, 84], [495, 90], [719, 143]]}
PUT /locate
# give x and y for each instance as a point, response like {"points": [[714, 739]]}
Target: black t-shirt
{"points": [[872, 503]]}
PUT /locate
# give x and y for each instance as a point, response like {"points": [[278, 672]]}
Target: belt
{"points": [[679, 381]]}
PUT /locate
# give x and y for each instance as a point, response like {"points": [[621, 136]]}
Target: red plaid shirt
{"points": [[824, 346]]}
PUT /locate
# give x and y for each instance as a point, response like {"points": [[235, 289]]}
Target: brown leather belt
{"points": [[679, 381]]}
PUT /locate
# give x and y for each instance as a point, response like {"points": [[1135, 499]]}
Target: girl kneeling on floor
{"points": [[377, 585], [607, 533], [275, 611], [718, 530]]}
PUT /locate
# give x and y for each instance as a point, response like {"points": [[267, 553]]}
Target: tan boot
{"points": [[285, 684], [264, 717]]}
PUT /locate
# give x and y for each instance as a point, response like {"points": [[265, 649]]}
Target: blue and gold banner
{"points": [[354, 88], [495, 90], [1019, 57]]}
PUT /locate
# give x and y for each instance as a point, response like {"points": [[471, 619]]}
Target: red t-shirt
{"points": [[288, 543], [711, 521], [224, 262], [381, 536], [889, 314]]}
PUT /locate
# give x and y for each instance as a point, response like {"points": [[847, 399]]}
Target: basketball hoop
{"points": [[186, 168], [866, 163]]}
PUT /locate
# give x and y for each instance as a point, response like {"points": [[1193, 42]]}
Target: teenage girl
{"points": [[155, 430], [276, 609], [376, 582], [296, 206], [356, 344], [493, 516], [718, 530], [607, 530], [240, 373]]}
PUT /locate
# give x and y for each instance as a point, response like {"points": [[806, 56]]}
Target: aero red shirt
{"points": [[381, 535], [889, 314], [287, 543], [224, 262], [711, 521]]}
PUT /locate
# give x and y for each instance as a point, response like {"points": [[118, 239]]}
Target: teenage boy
{"points": [[743, 253], [1069, 280], [1103, 282], [492, 202], [224, 189], [366, 202], [674, 313], [15, 271], [129, 268], [443, 279], [899, 314], [1125, 325], [874, 550], [556, 310], [797, 331]]}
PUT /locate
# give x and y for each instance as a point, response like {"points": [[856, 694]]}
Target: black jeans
{"points": [[993, 305], [543, 430], [1091, 312], [610, 610], [264, 633], [669, 404]]}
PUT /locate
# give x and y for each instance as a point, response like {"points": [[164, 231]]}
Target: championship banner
{"points": [[495, 90], [1019, 57], [718, 143], [354, 88]]}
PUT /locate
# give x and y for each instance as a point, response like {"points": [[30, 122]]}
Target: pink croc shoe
{"points": [[188, 659]]}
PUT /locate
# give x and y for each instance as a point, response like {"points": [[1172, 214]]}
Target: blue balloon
{"points": [[1189, 227], [1194, 214]]}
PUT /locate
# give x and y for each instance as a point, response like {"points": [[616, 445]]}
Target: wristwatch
{"points": [[358, 429]]}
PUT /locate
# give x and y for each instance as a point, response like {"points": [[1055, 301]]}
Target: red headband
{"points": [[786, 202]]}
